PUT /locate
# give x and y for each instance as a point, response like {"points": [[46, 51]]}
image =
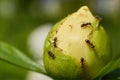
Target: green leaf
{"points": [[114, 75], [114, 64], [14, 56]]}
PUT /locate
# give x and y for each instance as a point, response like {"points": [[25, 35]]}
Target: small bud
{"points": [[79, 46]]}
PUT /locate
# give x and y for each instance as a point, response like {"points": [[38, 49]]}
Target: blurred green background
{"points": [[18, 18]]}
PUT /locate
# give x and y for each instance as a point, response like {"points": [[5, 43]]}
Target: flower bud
{"points": [[77, 47]]}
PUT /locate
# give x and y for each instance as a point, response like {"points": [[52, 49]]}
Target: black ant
{"points": [[88, 42], [85, 24], [82, 62], [55, 42], [51, 54]]}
